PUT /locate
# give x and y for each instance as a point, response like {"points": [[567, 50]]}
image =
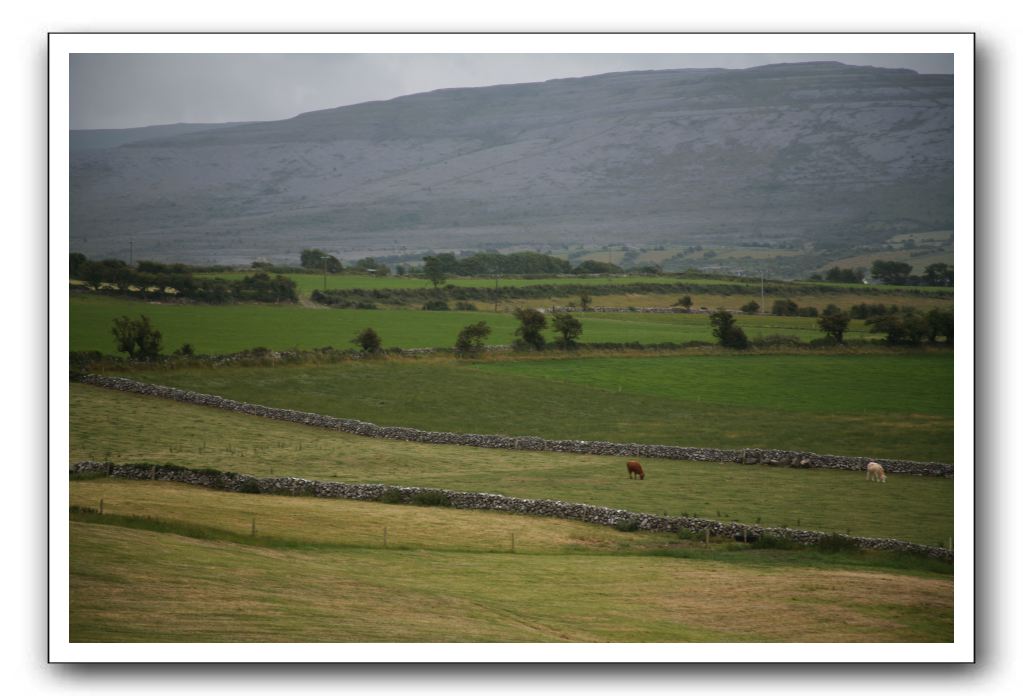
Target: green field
{"points": [[213, 329], [889, 406], [318, 571], [108, 425]]}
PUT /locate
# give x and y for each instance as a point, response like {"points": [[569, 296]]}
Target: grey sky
{"points": [[127, 90]]}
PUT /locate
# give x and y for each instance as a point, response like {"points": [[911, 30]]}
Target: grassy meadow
{"points": [[109, 425], [169, 562], [886, 405], [565, 583], [214, 329]]}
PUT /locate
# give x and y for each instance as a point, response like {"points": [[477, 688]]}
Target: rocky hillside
{"points": [[818, 151]]}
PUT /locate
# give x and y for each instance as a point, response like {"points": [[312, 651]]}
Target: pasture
{"points": [[318, 571], [109, 425], [214, 329], [886, 405]]}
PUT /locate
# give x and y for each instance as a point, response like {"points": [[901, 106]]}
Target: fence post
{"points": [[513, 542], [706, 531], [101, 506], [385, 537], [253, 527]]}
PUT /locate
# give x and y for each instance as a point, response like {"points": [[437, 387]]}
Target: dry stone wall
{"points": [[763, 457], [242, 483]]}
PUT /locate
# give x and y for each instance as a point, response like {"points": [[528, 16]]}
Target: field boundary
{"points": [[373, 492], [749, 456]]}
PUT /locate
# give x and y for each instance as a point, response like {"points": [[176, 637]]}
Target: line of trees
{"points": [[891, 273], [788, 308], [899, 273], [908, 326], [440, 267], [155, 280]]}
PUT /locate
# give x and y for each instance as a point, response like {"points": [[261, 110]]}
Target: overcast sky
{"points": [[127, 90]]}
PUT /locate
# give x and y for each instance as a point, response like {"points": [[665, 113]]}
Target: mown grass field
{"points": [[888, 405], [318, 571], [213, 329], [109, 425]]}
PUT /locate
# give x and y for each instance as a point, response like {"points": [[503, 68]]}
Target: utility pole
{"points": [[324, 259], [131, 252], [762, 307]]}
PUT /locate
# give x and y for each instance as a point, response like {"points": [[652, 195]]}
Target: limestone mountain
{"points": [[806, 151]]}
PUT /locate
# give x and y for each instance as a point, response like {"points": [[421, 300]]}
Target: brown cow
{"points": [[635, 470], [875, 472]]}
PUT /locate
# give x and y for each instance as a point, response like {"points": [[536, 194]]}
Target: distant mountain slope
{"points": [[809, 151], [99, 138]]}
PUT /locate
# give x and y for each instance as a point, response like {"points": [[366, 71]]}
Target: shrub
{"points": [[688, 534], [470, 338], [770, 541], [185, 350], [907, 327], [725, 330], [465, 306], [776, 340], [249, 485], [368, 340], [532, 323], [136, 337], [834, 322], [835, 543], [391, 496], [784, 308], [436, 306], [437, 498], [569, 327], [751, 307], [627, 525]]}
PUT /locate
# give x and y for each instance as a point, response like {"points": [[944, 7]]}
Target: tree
{"points": [[784, 308], [751, 307], [685, 302], [834, 322], [569, 327], [905, 327], [470, 338], [844, 275], [939, 274], [433, 269], [314, 259], [597, 267], [891, 272], [940, 322], [726, 331], [368, 340], [371, 265], [76, 259], [530, 334], [585, 301], [136, 337]]}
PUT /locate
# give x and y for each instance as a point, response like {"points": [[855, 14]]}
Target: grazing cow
{"points": [[875, 472], [635, 470]]}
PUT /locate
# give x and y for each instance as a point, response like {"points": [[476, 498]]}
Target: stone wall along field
{"points": [[763, 457], [242, 483]]}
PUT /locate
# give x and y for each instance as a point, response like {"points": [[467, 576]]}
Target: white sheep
{"points": [[875, 472]]}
